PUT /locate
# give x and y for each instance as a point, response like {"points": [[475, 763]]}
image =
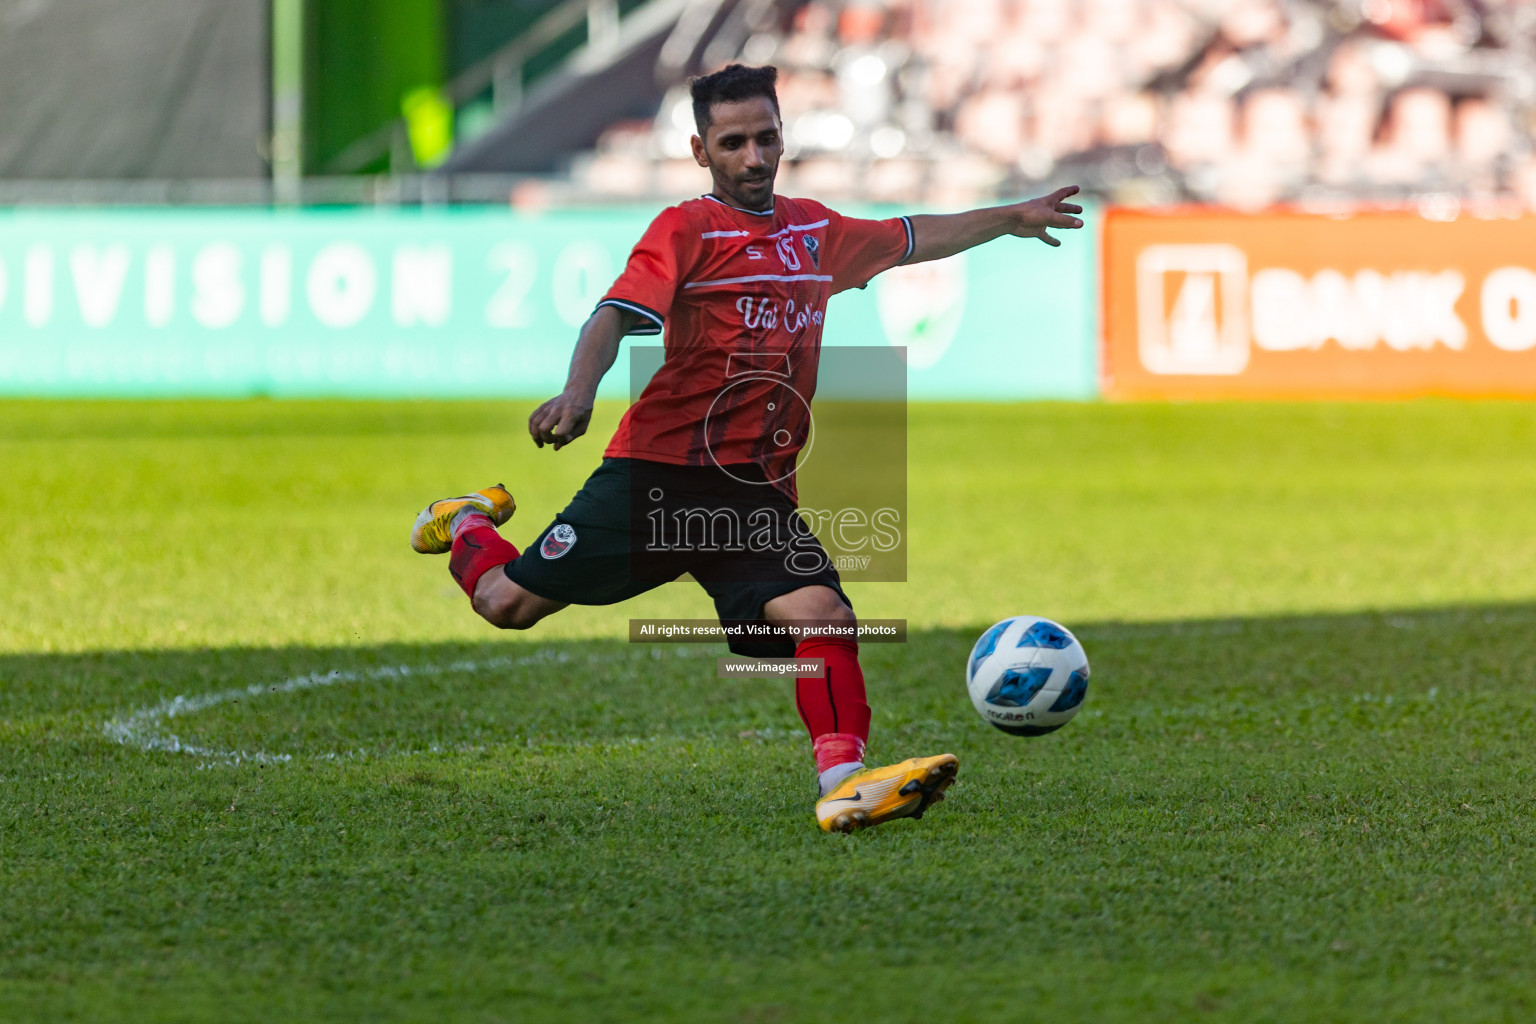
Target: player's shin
{"points": [[834, 708], [477, 548]]}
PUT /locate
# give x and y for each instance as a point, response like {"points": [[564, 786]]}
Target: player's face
{"points": [[741, 147]]}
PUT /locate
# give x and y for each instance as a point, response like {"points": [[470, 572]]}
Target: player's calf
{"points": [[832, 705]]}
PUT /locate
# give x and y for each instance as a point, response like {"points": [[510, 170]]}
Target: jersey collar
{"points": [[752, 213]]}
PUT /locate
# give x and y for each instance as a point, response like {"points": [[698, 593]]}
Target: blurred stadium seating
{"points": [[1245, 103]]}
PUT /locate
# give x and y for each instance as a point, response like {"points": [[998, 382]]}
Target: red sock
{"points": [[477, 548], [833, 709]]}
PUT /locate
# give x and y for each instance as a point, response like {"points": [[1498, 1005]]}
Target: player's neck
{"points": [[736, 204]]}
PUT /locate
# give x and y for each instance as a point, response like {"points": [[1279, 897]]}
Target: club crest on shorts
{"points": [[558, 541], [814, 248]]}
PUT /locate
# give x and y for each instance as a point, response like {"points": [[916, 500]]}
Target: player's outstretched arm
{"points": [[935, 236], [564, 418]]}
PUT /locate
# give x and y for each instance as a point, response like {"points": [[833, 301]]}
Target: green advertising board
{"points": [[457, 303]]}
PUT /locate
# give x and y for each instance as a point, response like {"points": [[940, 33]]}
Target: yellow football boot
{"points": [[433, 532], [874, 795]]}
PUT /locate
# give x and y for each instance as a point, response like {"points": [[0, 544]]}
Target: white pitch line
{"points": [[143, 728]]}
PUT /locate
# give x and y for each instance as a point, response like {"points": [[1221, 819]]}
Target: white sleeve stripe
{"points": [[725, 234], [633, 308], [906, 222]]}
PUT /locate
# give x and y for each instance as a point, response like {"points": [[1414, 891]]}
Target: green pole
{"points": [[287, 100]]}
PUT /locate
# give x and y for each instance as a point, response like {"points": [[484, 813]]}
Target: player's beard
{"points": [[753, 191]]}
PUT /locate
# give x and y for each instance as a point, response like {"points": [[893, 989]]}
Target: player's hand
{"points": [[1052, 211], [560, 420]]}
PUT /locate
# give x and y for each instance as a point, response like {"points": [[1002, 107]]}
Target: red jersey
{"points": [[742, 297]]}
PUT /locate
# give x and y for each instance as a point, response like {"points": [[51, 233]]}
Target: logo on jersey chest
{"points": [[787, 253]]}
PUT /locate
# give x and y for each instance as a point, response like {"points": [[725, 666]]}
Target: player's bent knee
{"points": [[522, 615], [492, 608], [506, 605], [500, 602], [508, 612], [826, 603], [835, 614], [809, 605]]}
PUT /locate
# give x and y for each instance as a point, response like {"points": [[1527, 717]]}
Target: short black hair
{"points": [[731, 84]]}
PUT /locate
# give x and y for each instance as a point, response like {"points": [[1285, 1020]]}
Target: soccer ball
{"points": [[1027, 675]]}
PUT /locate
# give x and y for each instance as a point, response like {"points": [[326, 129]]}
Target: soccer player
{"points": [[738, 279]]}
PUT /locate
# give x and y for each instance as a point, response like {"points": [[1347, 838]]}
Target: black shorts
{"points": [[636, 524]]}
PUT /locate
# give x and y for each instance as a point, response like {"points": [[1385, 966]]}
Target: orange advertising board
{"points": [[1379, 304]]}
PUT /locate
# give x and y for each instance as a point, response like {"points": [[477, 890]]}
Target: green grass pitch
{"points": [[1301, 788]]}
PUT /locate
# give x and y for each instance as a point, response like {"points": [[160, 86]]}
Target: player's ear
{"points": [[699, 156]]}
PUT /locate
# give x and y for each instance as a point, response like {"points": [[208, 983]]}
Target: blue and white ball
{"points": [[1027, 675]]}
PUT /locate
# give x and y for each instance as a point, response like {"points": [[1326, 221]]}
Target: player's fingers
{"points": [[1068, 208], [547, 417], [1045, 236], [543, 411], [1062, 193], [535, 418], [561, 432], [1062, 220]]}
